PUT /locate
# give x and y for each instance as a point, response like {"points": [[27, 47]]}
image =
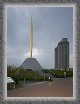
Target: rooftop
{"points": [[64, 39], [10, 80]]}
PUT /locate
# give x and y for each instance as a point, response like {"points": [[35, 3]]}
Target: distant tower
{"points": [[62, 54], [56, 58]]}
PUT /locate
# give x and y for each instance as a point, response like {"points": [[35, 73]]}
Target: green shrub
{"points": [[60, 73]]}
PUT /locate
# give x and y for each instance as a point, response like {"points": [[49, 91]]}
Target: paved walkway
{"points": [[59, 87]]}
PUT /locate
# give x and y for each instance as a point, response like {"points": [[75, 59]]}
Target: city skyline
{"points": [[44, 42]]}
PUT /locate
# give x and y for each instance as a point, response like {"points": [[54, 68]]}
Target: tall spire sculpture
{"points": [[31, 36], [31, 63]]}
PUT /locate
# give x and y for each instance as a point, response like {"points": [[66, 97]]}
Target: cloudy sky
{"points": [[50, 25]]}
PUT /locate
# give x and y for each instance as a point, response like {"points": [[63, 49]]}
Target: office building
{"points": [[62, 55]]}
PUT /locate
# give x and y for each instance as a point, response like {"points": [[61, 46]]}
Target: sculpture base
{"points": [[31, 63]]}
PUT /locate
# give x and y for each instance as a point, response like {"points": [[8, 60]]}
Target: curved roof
{"points": [[10, 80]]}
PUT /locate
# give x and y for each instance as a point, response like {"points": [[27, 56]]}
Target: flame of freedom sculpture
{"points": [[31, 36], [31, 63]]}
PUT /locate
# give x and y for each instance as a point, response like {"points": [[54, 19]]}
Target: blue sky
{"points": [[50, 25]]}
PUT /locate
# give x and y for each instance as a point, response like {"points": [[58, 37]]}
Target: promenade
{"points": [[59, 87]]}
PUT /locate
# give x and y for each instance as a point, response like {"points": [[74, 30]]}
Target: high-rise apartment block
{"points": [[62, 55]]}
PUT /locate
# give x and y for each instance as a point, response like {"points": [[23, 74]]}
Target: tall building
{"points": [[62, 54], [56, 58]]}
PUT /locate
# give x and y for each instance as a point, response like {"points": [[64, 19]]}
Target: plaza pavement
{"points": [[59, 87]]}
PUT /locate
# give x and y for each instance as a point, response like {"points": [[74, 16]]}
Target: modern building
{"points": [[62, 55], [56, 57]]}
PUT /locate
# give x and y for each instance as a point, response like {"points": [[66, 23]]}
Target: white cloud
{"points": [[35, 52]]}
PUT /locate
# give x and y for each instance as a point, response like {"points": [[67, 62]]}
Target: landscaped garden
{"points": [[59, 73], [19, 74]]}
